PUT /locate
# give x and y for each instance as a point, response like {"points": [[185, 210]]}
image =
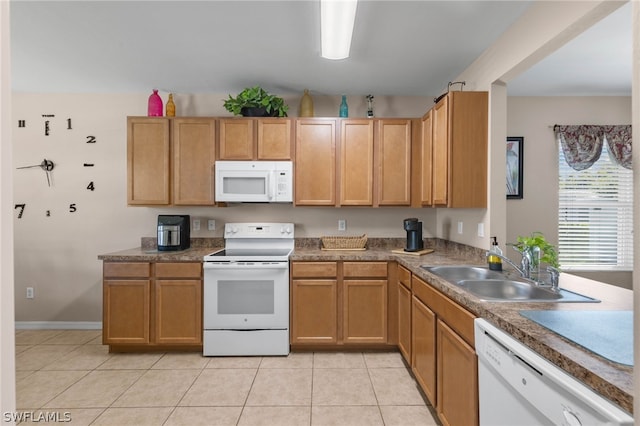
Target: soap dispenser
{"points": [[495, 263]]}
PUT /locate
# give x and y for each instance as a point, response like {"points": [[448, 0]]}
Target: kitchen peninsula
{"points": [[610, 379]]}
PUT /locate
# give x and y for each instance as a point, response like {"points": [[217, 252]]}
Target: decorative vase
{"points": [[155, 105], [171, 107], [306, 104], [344, 108]]}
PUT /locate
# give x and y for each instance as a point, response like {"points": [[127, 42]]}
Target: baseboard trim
{"points": [[58, 325]]}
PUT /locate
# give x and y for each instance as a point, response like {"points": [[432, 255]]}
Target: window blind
{"points": [[595, 226]]}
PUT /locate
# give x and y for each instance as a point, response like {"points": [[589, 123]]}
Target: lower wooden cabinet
{"points": [[339, 303], [444, 361], [126, 305], [404, 313], [457, 379], [423, 344], [314, 311], [152, 304], [365, 311]]}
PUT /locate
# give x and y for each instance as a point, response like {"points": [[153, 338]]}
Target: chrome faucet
{"points": [[525, 268], [525, 263]]}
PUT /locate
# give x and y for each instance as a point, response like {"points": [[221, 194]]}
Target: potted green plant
{"points": [[256, 102], [548, 252]]}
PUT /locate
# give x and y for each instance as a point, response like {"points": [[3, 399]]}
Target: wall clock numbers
{"points": [[48, 165], [21, 211]]}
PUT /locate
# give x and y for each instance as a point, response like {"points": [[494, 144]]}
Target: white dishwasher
{"points": [[517, 387]]}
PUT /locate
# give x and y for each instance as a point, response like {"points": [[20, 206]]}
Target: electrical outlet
{"points": [[196, 224], [30, 294], [342, 225], [211, 225], [459, 227], [481, 230]]}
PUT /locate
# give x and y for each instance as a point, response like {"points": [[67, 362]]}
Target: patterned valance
{"points": [[582, 144]]}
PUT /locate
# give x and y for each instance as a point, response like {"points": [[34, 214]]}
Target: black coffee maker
{"points": [[414, 234], [174, 232]]}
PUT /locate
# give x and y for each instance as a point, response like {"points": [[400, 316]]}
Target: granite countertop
{"points": [[607, 378]]}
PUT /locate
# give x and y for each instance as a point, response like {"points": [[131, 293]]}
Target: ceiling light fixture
{"points": [[336, 27]]}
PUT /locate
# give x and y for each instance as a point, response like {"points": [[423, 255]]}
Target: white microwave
{"points": [[254, 181]]}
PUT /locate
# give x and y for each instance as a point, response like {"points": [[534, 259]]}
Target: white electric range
{"points": [[246, 291]]}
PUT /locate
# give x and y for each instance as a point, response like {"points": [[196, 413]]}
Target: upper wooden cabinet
{"points": [[193, 143], [375, 162], [426, 152], [356, 162], [315, 164], [170, 161], [256, 139], [394, 162], [459, 137], [148, 161]]}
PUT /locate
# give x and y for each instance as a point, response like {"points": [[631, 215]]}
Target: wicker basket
{"points": [[344, 243]]}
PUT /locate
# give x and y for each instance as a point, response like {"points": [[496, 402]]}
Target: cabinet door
{"points": [[440, 152], [468, 117], [426, 147], [275, 141], [315, 168], [148, 161], [423, 347], [237, 139], [193, 160], [365, 311], [457, 379], [404, 321], [125, 311], [178, 311], [314, 311], [394, 159], [356, 162]]}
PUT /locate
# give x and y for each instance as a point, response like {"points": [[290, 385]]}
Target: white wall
{"points": [[57, 254], [7, 337], [532, 118], [542, 29]]}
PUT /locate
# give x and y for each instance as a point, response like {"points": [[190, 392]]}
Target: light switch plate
{"points": [[459, 227], [211, 225], [481, 230]]}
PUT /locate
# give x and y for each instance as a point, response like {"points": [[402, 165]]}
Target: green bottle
{"points": [[344, 108]]}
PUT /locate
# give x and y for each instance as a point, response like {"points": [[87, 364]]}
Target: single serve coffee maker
{"points": [[174, 232], [414, 234]]}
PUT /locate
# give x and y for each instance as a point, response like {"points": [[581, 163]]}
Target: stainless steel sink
{"points": [[455, 273], [508, 290], [498, 286]]}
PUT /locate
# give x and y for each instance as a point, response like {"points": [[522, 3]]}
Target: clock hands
{"points": [[46, 165]]}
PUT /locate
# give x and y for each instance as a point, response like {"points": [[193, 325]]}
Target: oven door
{"points": [[246, 295]]}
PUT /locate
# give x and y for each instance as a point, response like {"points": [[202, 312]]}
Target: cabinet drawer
{"points": [[127, 269], [178, 270], [404, 276], [365, 269], [446, 309], [314, 269]]}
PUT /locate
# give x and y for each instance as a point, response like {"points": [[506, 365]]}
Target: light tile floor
{"points": [[69, 373]]}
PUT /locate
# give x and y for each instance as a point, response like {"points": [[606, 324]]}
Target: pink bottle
{"points": [[155, 105]]}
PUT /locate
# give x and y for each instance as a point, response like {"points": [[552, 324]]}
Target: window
{"points": [[595, 226]]}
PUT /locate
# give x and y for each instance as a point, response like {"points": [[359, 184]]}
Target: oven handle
{"points": [[245, 265]]}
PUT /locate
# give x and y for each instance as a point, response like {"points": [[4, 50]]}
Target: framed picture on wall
{"points": [[514, 167]]}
